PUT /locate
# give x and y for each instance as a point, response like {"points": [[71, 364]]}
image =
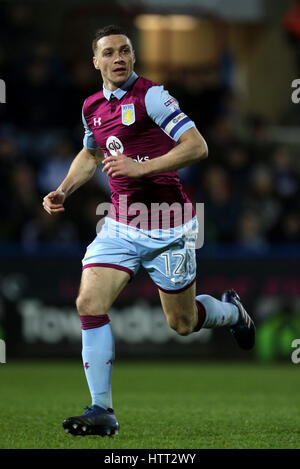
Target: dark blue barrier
{"points": [[208, 250]]}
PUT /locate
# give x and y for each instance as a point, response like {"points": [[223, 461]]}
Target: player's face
{"points": [[115, 59]]}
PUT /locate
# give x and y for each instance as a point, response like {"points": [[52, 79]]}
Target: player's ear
{"points": [[133, 53], [96, 64]]}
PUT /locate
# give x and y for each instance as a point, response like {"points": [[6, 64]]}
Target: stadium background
{"points": [[231, 66]]}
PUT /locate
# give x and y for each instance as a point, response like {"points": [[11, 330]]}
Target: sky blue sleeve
{"points": [[165, 112], [89, 141]]}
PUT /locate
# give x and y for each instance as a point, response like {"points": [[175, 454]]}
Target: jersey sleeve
{"points": [[164, 110], [89, 141]]}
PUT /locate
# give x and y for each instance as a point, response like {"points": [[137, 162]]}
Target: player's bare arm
{"points": [[81, 170], [191, 148]]}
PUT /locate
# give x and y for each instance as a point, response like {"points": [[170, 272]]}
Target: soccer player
{"points": [[138, 132]]}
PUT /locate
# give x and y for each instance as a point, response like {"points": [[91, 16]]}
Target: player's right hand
{"points": [[53, 202]]}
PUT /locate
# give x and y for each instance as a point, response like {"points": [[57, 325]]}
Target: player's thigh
{"points": [[99, 288], [174, 273], [179, 306]]}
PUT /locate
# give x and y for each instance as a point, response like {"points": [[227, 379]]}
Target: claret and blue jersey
{"points": [[137, 94], [143, 121]]}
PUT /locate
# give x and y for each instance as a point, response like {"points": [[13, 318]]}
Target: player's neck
{"points": [[111, 86]]}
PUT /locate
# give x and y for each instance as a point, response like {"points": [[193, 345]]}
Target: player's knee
{"points": [[87, 306], [184, 329]]}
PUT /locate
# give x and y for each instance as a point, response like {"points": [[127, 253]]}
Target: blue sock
{"points": [[98, 355], [218, 313]]}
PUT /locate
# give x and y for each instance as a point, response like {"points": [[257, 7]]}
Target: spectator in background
{"points": [[4, 63], [41, 98], [259, 146], [17, 31], [24, 197], [262, 199], [207, 95], [55, 167], [249, 231], [222, 206], [89, 219], [39, 85], [82, 84], [43, 51], [285, 179], [221, 138], [8, 158], [232, 110], [235, 160], [290, 228], [45, 229], [287, 229]]}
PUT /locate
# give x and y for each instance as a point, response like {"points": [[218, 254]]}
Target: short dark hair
{"points": [[107, 31]]}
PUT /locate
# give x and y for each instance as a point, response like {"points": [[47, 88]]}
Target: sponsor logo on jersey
{"points": [[140, 159], [128, 114], [178, 118], [171, 104], [172, 125], [113, 145], [97, 121]]}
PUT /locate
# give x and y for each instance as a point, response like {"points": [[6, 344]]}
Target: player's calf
{"points": [[181, 310], [183, 324]]}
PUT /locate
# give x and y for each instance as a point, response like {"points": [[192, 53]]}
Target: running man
{"points": [[138, 132]]}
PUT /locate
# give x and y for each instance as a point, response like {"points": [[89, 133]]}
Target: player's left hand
{"points": [[121, 165]]}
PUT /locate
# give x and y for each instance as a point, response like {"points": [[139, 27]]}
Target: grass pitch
{"points": [[158, 405]]}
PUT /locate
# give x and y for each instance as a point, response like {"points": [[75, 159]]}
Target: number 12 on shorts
{"points": [[180, 267]]}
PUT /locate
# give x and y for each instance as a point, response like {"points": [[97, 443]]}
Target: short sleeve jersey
{"points": [[143, 121]]}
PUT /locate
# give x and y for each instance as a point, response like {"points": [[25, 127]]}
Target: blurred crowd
{"points": [[250, 186]]}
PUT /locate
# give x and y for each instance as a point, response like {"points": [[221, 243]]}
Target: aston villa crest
{"points": [[128, 114]]}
